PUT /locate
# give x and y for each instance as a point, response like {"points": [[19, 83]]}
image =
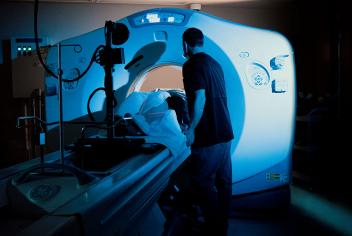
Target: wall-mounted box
{"points": [[27, 72]]}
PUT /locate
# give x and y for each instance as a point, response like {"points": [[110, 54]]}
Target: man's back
{"points": [[202, 72]]}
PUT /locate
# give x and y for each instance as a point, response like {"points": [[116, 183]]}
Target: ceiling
{"points": [[154, 2]]}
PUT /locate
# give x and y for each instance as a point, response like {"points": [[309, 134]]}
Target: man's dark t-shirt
{"points": [[201, 71]]}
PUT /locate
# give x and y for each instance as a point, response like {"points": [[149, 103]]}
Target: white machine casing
{"points": [[259, 75]]}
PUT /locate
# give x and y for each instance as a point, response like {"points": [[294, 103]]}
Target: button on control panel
{"points": [[257, 75]]}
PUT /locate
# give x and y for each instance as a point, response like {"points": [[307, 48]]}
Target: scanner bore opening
{"points": [[167, 76]]}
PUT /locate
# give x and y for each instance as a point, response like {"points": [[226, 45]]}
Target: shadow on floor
{"points": [[308, 214]]}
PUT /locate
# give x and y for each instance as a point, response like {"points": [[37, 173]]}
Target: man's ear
{"points": [[185, 49]]}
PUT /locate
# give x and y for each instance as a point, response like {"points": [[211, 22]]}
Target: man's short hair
{"points": [[193, 37]]}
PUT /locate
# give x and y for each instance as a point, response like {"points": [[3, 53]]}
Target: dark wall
{"points": [[4, 104], [12, 146], [321, 37]]}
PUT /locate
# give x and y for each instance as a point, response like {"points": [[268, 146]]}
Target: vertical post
{"points": [[108, 83], [40, 103], [27, 132], [41, 145], [61, 124], [35, 123]]}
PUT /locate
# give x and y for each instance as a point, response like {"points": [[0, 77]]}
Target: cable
{"points": [[91, 117], [90, 114], [37, 40], [47, 69]]}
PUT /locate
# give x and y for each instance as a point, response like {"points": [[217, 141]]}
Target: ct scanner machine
{"points": [[260, 78]]}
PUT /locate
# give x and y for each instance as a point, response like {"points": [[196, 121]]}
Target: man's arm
{"points": [[198, 108]]}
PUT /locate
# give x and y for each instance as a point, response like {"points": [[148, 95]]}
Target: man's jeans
{"points": [[212, 170]]}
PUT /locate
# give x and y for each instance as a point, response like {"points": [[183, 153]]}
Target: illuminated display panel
{"points": [[158, 18]]}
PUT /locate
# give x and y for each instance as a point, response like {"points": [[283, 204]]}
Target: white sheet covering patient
{"points": [[151, 113]]}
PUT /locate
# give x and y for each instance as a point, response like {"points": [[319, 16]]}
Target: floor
{"points": [[310, 213]]}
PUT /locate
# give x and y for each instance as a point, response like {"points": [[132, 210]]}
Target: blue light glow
{"points": [[324, 210]]}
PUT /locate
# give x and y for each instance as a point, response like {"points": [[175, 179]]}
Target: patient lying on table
{"points": [[150, 112]]}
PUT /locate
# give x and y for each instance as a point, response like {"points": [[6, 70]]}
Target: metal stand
{"points": [[108, 82], [61, 118]]}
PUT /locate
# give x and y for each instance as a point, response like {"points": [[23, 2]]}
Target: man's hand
{"points": [[190, 136], [199, 103]]}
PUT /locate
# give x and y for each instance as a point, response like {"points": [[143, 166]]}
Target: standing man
{"points": [[209, 133]]}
